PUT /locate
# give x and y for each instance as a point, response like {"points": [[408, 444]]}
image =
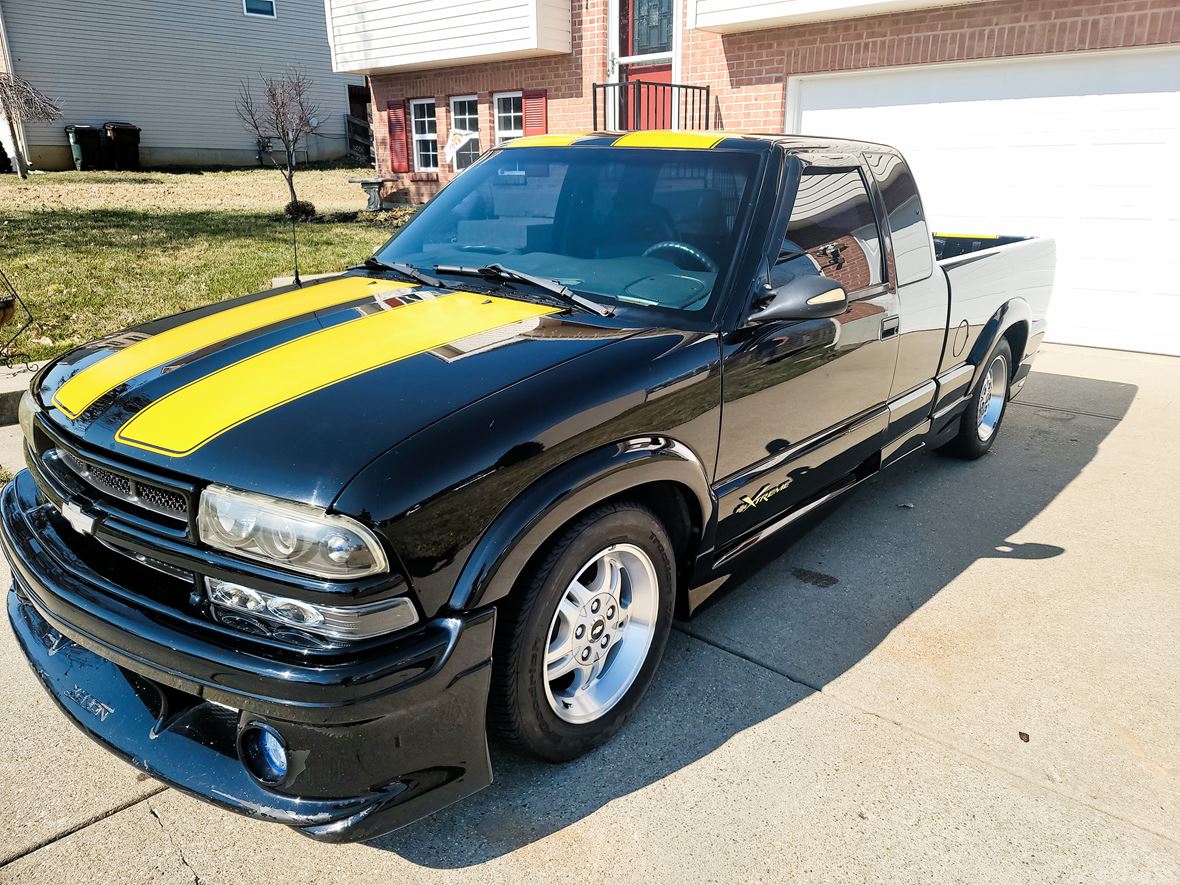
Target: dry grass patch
{"points": [[93, 253]]}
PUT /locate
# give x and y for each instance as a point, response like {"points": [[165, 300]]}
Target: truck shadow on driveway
{"points": [[809, 612]]}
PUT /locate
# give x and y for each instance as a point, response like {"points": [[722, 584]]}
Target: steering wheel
{"points": [[684, 248]]}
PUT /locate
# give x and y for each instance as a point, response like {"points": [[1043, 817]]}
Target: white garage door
{"points": [[1083, 148]]}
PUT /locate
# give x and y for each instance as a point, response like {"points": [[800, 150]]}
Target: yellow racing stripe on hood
{"points": [[551, 139], [659, 138], [80, 391], [182, 421]]}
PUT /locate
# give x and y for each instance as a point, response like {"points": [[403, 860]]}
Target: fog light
{"points": [[265, 754]]}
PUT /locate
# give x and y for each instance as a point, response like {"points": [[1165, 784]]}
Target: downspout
{"points": [[18, 130]]}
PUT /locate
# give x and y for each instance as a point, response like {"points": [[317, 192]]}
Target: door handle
{"points": [[889, 327]]}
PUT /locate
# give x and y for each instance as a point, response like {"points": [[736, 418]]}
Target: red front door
{"points": [[647, 101]]}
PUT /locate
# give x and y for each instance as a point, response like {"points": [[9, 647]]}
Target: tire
{"points": [[561, 718], [980, 423]]}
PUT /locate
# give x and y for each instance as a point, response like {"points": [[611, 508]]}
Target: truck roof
{"points": [[698, 140]]}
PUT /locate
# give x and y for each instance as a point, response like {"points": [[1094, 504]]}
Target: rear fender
{"points": [[1012, 313], [538, 512]]}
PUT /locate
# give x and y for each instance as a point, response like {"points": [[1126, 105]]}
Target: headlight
{"points": [[295, 536], [336, 621], [25, 411]]}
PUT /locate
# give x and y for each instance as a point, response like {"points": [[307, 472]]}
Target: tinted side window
{"points": [[832, 222], [911, 238]]}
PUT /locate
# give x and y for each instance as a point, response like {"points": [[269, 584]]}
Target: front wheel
{"points": [[981, 421], [580, 641]]}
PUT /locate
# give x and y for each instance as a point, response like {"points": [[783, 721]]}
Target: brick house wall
{"points": [[748, 71], [566, 78]]}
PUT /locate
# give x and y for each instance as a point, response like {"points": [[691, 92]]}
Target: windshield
{"points": [[629, 226]]}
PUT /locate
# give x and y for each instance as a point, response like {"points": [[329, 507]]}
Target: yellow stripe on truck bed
{"points": [[184, 420], [80, 391]]}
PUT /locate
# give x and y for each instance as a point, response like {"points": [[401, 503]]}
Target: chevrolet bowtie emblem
{"points": [[79, 520]]}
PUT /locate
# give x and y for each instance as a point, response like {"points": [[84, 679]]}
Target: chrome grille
{"points": [[137, 492], [162, 499], [119, 486]]}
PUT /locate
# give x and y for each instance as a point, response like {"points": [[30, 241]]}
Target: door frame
{"points": [[793, 111], [615, 62]]}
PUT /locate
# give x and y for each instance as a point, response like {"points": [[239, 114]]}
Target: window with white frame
{"points": [[263, 8], [509, 116], [465, 117], [424, 129]]}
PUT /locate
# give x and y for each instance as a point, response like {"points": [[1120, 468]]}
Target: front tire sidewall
{"points": [[544, 732]]}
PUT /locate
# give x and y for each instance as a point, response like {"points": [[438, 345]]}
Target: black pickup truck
{"points": [[299, 552]]}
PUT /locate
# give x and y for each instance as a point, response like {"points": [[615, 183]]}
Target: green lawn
{"points": [[92, 253]]}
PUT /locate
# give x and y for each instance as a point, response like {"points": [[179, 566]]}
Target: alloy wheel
{"points": [[601, 633], [991, 398]]}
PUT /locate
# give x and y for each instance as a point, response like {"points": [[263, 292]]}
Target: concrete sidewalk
{"points": [[854, 710]]}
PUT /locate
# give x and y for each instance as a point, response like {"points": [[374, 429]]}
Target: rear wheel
{"points": [[579, 644], [981, 421]]}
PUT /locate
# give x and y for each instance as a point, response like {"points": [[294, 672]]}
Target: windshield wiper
{"points": [[406, 270], [508, 275]]}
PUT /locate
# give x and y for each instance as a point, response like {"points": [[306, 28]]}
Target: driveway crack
{"points": [[197, 880]]}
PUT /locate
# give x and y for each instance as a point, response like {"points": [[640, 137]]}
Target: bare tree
{"points": [[285, 114], [20, 101]]}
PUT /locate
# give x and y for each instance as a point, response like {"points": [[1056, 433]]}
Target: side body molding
{"points": [[540, 510]]}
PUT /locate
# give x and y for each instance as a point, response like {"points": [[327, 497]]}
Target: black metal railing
{"points": [[642, 104]]}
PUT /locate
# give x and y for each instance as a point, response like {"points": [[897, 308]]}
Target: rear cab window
{"points": [[833, 231], [907, 221]]}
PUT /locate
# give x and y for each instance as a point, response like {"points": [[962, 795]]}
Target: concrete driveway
{"points": [[967, 672]]}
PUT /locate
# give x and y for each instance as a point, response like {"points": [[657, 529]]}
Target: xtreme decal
{"points": [[761, 496]]}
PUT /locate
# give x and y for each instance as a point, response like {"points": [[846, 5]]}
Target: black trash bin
{"points": [[86, 146], [123, 139]]}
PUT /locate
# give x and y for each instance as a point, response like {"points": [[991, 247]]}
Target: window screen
{"points": [[907, 222], [509, 116], [425, 132], [832, 231], [465, 117]]}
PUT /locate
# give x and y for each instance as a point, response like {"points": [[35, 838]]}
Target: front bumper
{"points": [[374, 742]]}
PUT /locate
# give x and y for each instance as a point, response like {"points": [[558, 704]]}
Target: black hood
{"points": [[292, 392]]}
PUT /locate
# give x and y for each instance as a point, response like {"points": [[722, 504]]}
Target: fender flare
{"points": [[530, 519], [1010, 313]]}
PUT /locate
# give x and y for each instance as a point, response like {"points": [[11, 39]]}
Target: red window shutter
{"points": [[399, 155], [536, 118]]}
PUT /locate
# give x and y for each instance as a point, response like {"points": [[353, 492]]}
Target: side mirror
{"points": [[807, 297]]}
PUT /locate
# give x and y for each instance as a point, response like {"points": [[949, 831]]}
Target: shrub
{"points": [[299, 210]]}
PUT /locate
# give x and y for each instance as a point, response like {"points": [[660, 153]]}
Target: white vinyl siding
{"points": [[171, 69], [1077, 147], [424, 134], [379, 36], [744, 15], [508, 111]]}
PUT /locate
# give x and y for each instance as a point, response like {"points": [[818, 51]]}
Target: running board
{"points": [[791, 517]]}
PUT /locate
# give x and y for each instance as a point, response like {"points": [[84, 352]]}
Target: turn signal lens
{"points": [[25, 411], [335, 621], [295, 536]]}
